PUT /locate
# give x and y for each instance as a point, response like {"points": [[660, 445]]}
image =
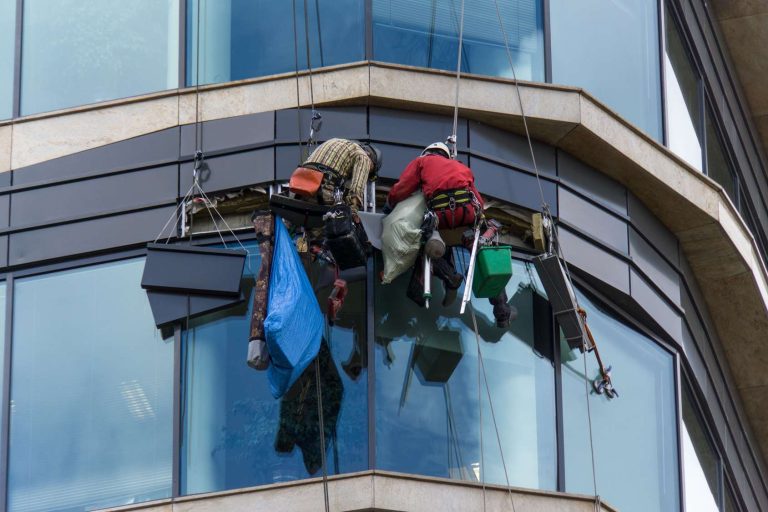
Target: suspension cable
{"points": [[296, 69], [453, 137], [546, 212]]}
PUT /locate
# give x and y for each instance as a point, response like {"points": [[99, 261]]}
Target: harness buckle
{"points": [[452, 203]]}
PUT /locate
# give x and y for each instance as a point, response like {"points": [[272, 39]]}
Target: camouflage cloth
{"points": [[258, 358]]}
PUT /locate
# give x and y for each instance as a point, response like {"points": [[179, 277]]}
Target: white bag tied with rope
{"points": [[401, 236]]}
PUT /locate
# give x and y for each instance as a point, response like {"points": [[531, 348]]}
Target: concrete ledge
{"points": [[376, 491], [714, 239]]}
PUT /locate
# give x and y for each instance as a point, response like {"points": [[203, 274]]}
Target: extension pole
{"points": [[470, 272], [427, 280]]}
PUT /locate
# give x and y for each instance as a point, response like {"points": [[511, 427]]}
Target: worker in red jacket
{"points": [[447, 184]]}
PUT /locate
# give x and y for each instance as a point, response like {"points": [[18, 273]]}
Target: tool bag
{"points": [[401, 236], [305, 182], [345, 238], [454, 208]]}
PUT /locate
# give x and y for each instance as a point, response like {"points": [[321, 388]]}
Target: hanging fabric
{"points": [[294, 324]]}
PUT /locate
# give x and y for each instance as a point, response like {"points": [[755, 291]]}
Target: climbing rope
{"points": [[453, 138]]}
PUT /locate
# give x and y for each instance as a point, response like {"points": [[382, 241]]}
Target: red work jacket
{"points": [[434, 173]]}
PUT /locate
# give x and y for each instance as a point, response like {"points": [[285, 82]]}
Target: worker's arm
{"points": [[360, 170], [407, 184]]}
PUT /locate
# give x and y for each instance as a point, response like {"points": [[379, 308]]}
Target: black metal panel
{"points": [[172, 307], [4, 251], [593, 260], [652, 302], [646, 223], [287, 158], [592, 220], [96, 196], [154, 148], [655, 267], [87, 236], [5, 178], [4, 210], [511, 148], [344, 122], [232, 132], [494, 180], [237, 170], [190, 269], [586, 180], [414, 128]]}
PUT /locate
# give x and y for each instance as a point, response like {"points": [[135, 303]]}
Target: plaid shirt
{"points": [[351, 162]]}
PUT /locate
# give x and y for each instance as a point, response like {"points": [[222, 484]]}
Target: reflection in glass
{"points": [[427, 417], [7, 53], [246, 38], [683, 98], [612, 50], [718, 167], [91, 393], [700, 461], [425, 33], [237, 435], [635, 438], [96, 51]]}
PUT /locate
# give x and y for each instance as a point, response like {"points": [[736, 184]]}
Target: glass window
{"points": [[683, 98], [635, 435], [7, 53], [96, 51], [425, 33], [718, 167], [249, 38], [236, 434], [91, 392], [701, 478], [427, 417], [612, 50]]}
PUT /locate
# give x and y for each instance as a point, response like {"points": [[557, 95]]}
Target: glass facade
{"points": [[634, 436], [612, 50], [91, 421], [718, 167], [701, 478], [426, 34], [96, 51], [426, 395], [684, 98], [245, 38], [236, 434], [7, 54]]}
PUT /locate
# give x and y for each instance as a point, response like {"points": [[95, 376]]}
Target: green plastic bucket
{"points": [[493, 270]]}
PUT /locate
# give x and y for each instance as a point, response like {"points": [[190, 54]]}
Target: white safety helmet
{"points": [[437, 146]]}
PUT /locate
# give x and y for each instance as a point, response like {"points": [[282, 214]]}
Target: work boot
{"points": [[445, 271]]}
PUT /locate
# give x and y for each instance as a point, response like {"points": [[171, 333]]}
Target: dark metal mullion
{"points": [[368, 29], [182, 43], [17, 59], [702, 100], [559, 413], [662, 73], [371, 362], [546, 18], [6, 398], [679, 429], [177, 424]]}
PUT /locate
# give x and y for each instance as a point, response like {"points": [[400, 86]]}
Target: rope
{"points": [[296, 68], [452, 138], [480, 417], [318, 385], [548, 214]]}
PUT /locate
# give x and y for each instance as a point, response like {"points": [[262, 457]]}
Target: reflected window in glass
{"points": [[425, 33], [236, 434], [718, 167], [634, 435], [701, 477], [91, 392], [246, 38], [96, 51], [7, 54], [427, 402]]}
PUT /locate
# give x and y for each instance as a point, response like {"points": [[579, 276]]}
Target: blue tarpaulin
{"points": [[294, 324]]}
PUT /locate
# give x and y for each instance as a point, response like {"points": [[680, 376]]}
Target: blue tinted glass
{"points": [[634, 435], [425, 33], [237, 435], [427, 414], [701, 465], [7, 50], [96, 51], [246, 38], [611, 49], [91, 392]]}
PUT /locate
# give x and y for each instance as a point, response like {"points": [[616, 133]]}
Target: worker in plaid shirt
{"points": [[347, 165]]}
